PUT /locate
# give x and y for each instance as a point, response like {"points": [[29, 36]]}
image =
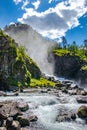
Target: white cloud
{"points": [[50, 1], [17, 1], [55, 22], [36, 4], [25, 3]]}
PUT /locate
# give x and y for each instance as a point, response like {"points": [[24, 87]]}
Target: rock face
{"points": [[82, 112], [66, 65], [16, 68]]}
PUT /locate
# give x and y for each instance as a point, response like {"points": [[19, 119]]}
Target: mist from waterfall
{"points": [[37, 47]]}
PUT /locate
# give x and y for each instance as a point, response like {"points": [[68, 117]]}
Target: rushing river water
{"points": [[46, 106]]}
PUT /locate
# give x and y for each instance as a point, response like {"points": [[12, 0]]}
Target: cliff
{"points": [[70, 65], [16, 67]]}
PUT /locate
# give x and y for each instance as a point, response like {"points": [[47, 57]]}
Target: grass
{"points": [[61, 52], [42, 82]]}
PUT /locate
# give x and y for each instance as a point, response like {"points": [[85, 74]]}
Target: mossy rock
{"points": [[82, 112]]}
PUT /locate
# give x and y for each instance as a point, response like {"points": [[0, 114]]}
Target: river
{"points": [[47, 106]]}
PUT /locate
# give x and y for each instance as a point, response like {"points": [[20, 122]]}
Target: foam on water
{"points": [[46, 107]]}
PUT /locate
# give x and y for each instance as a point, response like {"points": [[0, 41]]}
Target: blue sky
{"points": [[51, 18]]}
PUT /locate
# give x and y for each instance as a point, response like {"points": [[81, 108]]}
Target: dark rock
{"points": [[65, 90], [9, 109], [9, 122], [73, 86], [65, 116], [23, 106], [1, 122], [66, 65], [82, 99], [33, 118], [73, 116], [24, 120], [15, 126], [82, 112]]}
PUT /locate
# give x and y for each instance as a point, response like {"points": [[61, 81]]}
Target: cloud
{"points": [[25, 3], [50, 1], [17, 1], [36, 4], [55, 22]]}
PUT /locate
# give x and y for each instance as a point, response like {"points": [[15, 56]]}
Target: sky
{"points": [[51, 18]]}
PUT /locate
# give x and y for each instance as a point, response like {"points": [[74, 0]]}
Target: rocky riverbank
{"points": [[13, 115], [26, 111]]}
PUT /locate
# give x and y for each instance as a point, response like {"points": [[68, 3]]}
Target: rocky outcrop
{"points": [[16, 68], [66, 65]]}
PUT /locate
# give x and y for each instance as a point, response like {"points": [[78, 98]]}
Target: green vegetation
{"points": [[72, 50], [61, 52], [84, 68], [16, 67], [42, 82]]}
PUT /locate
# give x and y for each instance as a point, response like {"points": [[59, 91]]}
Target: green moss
{"points": [[42, 82], [84, 68], [61, 52], [17, 67]]}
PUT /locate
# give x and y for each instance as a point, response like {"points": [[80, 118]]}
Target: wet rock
{"points": [[15, 126], [9, 109], [73, 86], [2, 93], [23, 106], [9, 122], [81, 92], [1, 122], [72, 92], [24, 120], [24, 128], [33, 118], [66, 116], [3, 128], [82, 99], [67, 82], [82, 112], [43, 91], [12, 94], [65, 90]]}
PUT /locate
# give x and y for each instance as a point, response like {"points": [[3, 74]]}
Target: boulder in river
{"points": [[82, 99], [82, 112], [23, 119], [23, 106], [66, 116]]}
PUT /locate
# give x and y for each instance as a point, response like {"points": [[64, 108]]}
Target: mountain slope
{"points": [[37, 47]]}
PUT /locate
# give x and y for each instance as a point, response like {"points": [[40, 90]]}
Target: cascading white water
{"points": [[47, 106]]}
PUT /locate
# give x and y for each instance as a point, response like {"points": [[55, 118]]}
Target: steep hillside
{"points": [[37, 47], [16, 68]]}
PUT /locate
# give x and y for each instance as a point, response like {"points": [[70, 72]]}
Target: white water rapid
{"points": [[46, 107]]}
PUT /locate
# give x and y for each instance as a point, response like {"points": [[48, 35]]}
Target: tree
{"points": [[85, 44], [64, 42], [73, 47]]}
